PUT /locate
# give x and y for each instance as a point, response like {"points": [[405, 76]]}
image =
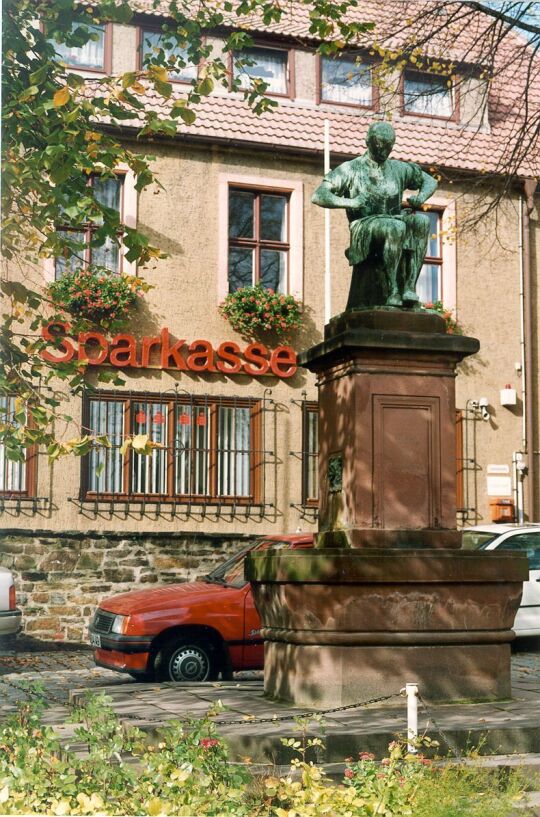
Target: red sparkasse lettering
{"points": [[147, 345], [125, 354], [101, 357], [168, 352], [256, 353], [229, 352], [202, 357], [283, 356], [65, 345]]}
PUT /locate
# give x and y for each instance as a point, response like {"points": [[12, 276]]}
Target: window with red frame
{"points": [[310, 454], [271, 65], [207, 448], [17, 479], [428, 95], [346, 81], [92, 56], [258, 239], [429, 284], [180, 67], [85, 248]]}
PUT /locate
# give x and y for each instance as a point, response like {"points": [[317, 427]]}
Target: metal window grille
{"points": [[15, 479], [207, 449]]}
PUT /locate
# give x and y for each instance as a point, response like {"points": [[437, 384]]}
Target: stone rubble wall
{"points": [[60, 579]]}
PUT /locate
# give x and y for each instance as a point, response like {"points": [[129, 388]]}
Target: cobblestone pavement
{"points": [[60, 671]]}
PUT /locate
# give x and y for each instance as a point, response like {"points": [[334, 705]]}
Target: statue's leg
{"points": [[418, 227], [392, 232]]}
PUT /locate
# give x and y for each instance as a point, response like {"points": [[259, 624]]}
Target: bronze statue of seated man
{"points": [[388, 241]]}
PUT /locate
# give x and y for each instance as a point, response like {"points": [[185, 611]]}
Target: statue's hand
{"points": [[357, 202], [415, 202]]}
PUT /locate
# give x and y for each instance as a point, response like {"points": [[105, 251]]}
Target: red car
{"points": [[186, 632]]}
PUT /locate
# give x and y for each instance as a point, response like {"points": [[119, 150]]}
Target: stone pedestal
{"points": [[387, 460], [386, 598], [346, 625]]}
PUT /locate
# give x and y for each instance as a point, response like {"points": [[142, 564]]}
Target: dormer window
{"points": [[428, 95], [93, 55], [182, 70], [345, 81], [271, 65]]}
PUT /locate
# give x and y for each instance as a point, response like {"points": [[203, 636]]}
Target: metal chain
{"points": [[317, 712], [450, 742], [243, 722]]}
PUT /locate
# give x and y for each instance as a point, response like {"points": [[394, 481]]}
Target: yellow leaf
{"points": [[154, 807], [125, 445], [138, 88], [159, 73], [139, 442], [4, 795], [61, 97]]}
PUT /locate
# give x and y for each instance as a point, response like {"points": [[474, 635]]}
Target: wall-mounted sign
{"points": [[125, 351]]}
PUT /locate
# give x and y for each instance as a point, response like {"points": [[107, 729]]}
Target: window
{"points": [[429, 284], [152, 41], [258, 239], [427, 95], [525, 542], [267, 64], [108, 192], [16, 478], [344, 81], [207, 448], [310, 454], [93, 56]]}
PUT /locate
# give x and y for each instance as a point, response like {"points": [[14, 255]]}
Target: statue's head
{"points": [[380, 140]]}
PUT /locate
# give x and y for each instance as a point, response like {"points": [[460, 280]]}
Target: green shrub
{"points": [[187, 772]]}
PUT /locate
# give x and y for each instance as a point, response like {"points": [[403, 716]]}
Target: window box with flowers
{"points": [[256, 310], [96, 298], [452, 325]]}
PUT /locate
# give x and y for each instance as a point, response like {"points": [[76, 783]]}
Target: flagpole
{"points": [[327, 279]]}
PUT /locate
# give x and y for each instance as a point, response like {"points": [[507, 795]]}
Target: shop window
{"points": [[310, 454], [271, 65], [93, 55], [108, 191], [258, 239], [429, 284], [17, 479], [182, 70], [344, 81], [206, 449], [427, 95]]}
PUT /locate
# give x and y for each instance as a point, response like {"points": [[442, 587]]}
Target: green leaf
{"points": [[37, 77]]}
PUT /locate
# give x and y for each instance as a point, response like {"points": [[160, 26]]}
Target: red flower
{"points": [[208, 743], [366, 756], [349, 773]]}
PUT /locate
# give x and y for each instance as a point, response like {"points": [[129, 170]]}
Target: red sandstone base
{"points": [[342, 626]]}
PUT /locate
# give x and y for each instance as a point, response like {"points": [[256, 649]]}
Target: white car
{"points": [[522, 538], [10, 616]]}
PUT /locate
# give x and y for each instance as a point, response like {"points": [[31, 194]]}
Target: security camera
{"points": [[483, 405]]}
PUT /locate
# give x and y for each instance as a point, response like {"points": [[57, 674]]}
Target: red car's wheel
{"points": [[186, 659]]}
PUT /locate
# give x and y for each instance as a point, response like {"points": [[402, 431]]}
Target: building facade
{"points": [[235, 418]]}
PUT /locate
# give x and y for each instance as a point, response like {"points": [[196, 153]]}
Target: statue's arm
{"points": [[324, 197], [427, 189]]}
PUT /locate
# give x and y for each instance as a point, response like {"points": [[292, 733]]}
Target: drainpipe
{"points": [[526, 208]]}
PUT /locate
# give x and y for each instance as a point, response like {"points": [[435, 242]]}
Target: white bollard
{"points": [[411, 691]]}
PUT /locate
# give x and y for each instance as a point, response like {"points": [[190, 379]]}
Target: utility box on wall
{"points": [[502, 510]]}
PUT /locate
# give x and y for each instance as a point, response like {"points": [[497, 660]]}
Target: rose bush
{"points": [[255, 310], [97, 298]]}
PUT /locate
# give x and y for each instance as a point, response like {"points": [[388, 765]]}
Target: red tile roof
{"points": [[298, 125]]}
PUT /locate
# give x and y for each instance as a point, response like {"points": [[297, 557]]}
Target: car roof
{"points": [[505, 528]]}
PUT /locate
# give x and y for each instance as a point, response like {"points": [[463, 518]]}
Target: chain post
{"points": [[411, 691]]}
